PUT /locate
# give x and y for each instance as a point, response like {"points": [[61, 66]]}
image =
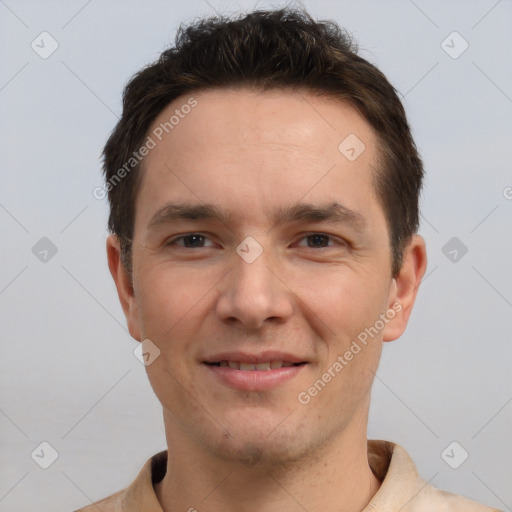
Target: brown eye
{"points": [[190, 241], [317, 240]]}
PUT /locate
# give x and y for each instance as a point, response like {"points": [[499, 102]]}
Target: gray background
{"points": [[68, 373]]}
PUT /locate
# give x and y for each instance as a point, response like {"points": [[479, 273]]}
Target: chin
{"points": [[266, 444], [254, 453]]}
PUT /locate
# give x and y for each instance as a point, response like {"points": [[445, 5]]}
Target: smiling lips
{"points": [[267, 356], [247, 367], [254, 372]]}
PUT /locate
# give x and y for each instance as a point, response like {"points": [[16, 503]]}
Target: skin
{"points": [[251, 152]]}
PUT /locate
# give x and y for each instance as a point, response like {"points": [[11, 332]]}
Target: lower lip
{"points": [[254, 380]]}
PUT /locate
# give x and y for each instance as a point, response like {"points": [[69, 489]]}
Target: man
{"points": [[264, 187]]}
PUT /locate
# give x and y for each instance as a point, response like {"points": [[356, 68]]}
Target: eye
{"points": [[317, 240], [190, 241]]}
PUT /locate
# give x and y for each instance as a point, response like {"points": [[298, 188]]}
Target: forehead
{"points": [[252, 116], [253, 143]]}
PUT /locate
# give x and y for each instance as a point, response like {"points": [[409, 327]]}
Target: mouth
{"points": [[250, 367], [254, 373]]}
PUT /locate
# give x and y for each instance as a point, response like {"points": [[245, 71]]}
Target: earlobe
{"points": [[124, 286], [405, 287]]}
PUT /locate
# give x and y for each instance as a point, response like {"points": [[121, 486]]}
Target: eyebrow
{"points": [[300, 212]]}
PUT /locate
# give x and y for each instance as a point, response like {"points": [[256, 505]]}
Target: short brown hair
{"points": [[283, 48]]}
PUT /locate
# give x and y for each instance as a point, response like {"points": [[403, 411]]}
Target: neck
{"points": [[337, 478]]}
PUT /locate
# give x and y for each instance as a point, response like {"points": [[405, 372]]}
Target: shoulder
{"points": [[431, 499], [112, 503], [402, 488], [139, 495]]}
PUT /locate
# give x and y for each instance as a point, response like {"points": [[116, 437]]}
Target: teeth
{"points": [[247, 367]]}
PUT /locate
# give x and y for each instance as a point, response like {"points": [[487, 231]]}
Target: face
{"points": [[261, 256]]}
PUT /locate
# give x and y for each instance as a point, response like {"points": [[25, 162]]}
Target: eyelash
{"points": [[182, 237]]}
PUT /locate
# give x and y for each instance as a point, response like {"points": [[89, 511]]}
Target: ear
{"points": [[405, 287], [124, 287]]}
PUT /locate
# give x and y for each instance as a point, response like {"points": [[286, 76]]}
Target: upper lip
{"points": [[262, 357]]}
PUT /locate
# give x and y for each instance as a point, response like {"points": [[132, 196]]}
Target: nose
{"points": [[253, 294]]}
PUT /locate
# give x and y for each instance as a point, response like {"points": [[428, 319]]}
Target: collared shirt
{"points": [[401, 488]]}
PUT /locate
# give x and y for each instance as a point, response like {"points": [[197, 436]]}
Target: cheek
{"points": [[169, 306], [346, 312], [344, 300], [167, 296]]}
